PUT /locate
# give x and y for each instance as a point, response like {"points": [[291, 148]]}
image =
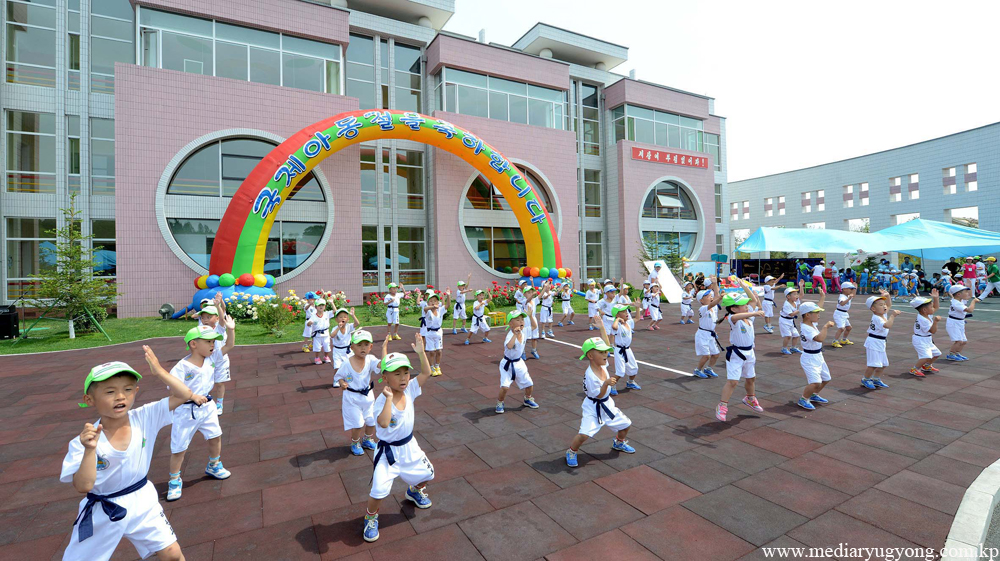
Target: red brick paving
{"points": [[885, 468]]}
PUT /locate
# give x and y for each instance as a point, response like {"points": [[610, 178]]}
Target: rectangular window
{"points": [[369, 256], [720, 241], [864, 194], [971, 178], [498, 248], [718, 203], [387, 255], [412, 268], [410, 180], [31, 157], [30, 242], [671, 243], [712, 147], [948, 181], [111, 36], [971, 168], [479, 95], [913, 188], [971, 186], [807, 202], [370, 177], [781, 206], [769, 207], [904, 218], [859, 225], [849, 196], [102, 156], [591, 120], [406, 60], [73, 46], [820, 200], [746, 210], [649, 126], [895, 189], [31, 43], [966, 216], [73, 153], [734, 211], [592, 193], [594, 255], [104, 247], [361, 70], [815, 225]]}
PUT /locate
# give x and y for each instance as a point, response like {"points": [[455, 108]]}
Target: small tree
{"points": [[73, 287], [649, 250]]}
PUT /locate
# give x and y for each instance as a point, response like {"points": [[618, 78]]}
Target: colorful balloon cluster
{"points": [[545, 272], [228, 279]]}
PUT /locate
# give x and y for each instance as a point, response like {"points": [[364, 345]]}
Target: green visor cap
{"points": [[514, 314], [201, 332], [395, 361], [478, 292], [619, 309], [361, 335], [594, 343], [735, 300], [341, 311], [392, 285], [104, 371], [211, 310]]}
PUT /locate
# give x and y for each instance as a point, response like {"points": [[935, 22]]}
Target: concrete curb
{"points": [[972, 521]]}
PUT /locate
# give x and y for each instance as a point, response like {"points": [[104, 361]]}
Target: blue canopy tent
{"points": [[937, 240], [806, 240]]}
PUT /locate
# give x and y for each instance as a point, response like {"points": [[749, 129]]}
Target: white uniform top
{"points": [[788, 308], [957, 310], [922, 326], [531, 308], [605, 307], [520, 298], [400, 424], [818, 270], [460, 298], [547, 301], [687, 298], [565, 296], [321, 322], [592, 296], [809, 330], [623, 336], [392, 300], [518, 349], [654, 277], [117, 469], [623, 299], [223, 364], [741, 332], [878, 328], [199, 380], [592, 385], [342, 340], [768, 292], [434, 319], [310, 312], [707, 317], [843, 304], [358, 380], [480, 307]]}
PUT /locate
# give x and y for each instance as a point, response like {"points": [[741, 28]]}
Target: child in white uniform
{"points": [[956, 320], [459, 311], [598, 408], [519, 296], [512, 366], [432, 320], [842, 317], [398, 454], [625, 364], [706, 342], [644, 307], [768, 302], [545, 316], [566, 297], [340, 338], [210, 316], [923, 333], [625, 300], [687, 299], [310, 309], [391, 301], [354, 376], [812, 361], [878, 331], [740, 357], [592, 297], [197, 371], [605, 306], [479, 321], [531, 310], [109, 462], [320, 326], [786, 321], [653, 307]]}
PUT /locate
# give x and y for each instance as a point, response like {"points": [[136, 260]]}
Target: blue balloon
{"points": [[270, 281], [554, 273], [212, 281]]}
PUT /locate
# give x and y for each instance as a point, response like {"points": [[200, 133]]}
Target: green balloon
{"points": [[227, 279], [543, 272]]}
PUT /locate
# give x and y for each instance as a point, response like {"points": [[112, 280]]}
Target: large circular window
{"points": [[491, 230], [671, 220], [215, 170]]}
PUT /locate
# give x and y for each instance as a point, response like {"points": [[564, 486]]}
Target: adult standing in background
{"points": [[952, 267], [834, 277], [969, 274], [906, 266], [819, 285]]}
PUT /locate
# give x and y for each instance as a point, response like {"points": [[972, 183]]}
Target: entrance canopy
{"points": [[805, 240]]}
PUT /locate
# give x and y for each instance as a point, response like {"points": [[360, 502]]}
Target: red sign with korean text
{"points": [[669, 158]]}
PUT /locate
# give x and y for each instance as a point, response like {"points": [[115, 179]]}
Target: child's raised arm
{"points": [[936, 296], [179, 392], [604, 333], [425, 365], [356, 321], [230, 335], [385, 344]]}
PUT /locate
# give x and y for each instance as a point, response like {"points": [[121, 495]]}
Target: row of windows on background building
{"points": [[30, 246], [31, 154], [648, 126], [479, 95]]}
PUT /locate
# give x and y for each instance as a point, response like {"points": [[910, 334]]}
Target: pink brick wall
{"points": [[289, 16], [551, 151], [636, 176], [157, 113], [486, 59], [653, 97]]}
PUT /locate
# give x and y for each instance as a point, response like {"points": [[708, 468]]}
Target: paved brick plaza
{"points": [[884, 468]]}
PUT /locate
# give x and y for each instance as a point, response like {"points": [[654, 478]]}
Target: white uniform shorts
{"points": [[222, 372], [190, 419], [321, 342], [737, 368], [412, 473], [876, 357], [358, 410], [544, 315], [814, 365], [145, 525], [520, 374], [705, 344], [480, 324], [841, 319], [925, 347], [567, 308], [655, 314], [607, 323], [433, 341], [768, 307], [589, 425], [307, 332], [459, 312], [625, 366], [531, 333], [392, 316], [339, 356], [591, 310], [956, 330], [686, 310], [787, 328]]}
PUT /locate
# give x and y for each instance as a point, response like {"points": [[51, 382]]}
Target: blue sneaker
{"points": [[454, 331], [632, 385], [356, 449], [486, 340], [217, 471], [879, 383], [682, 322], [590, 328], [868, 383], [796, 350], [690, 321], [708, 370], [174, 487], [368, 443], [785, 351], [464, 330], [622, 446], [559, 324], [466, 342], [371, 529], [530, 403], [572, 322], [218, 405], [524, 356], [419, 497], [571, 459], [953, 357], [551, 334], [534, 354], [804, 403], [700, 374], [817, 399], [499, 408], [614, 391], [961, 356]]}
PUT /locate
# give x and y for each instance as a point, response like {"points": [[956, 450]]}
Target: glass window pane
{"points": [[662, 117], [302, 72], [265, 66], [591, 132], [298, 241], [674, 133], [328, 51], [112, 8], [498, 106], [501, 85], [44, 123], [408, 100], [407, 58], [411, 255], [361, 49], [540, 113], [332, 77], [369, 177], [103, 56], [644, 131], [588, 95], [31, 45], [111, 28], [18, 13], [31, 153], [187, 54], [690, 139], [102, 158], [195, 237], [642, 112], [463, 77], [690, 123], [231, 60], [508, 248], [660, 130], [100, 128], [364, 91], [472, 101], [479, 239], [238, 34], [176, 22], [557, 96], [103, 229], [199, 174], [360, 72]]}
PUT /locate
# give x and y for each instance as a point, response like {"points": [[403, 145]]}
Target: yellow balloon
{"points": [[259, 280]]}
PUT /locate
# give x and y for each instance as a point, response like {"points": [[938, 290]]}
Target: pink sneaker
{"points": [[327, 359], [751, 402], [720, 411], [317, 361]]}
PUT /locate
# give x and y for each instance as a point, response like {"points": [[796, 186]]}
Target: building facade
{"points": [[153, 112], [955, 178]]}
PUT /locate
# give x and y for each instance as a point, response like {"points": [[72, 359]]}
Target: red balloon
{"points": [[246, 279], [569, 272]]}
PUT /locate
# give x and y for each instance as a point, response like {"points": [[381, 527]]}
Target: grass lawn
{"points": [[55, 336]]}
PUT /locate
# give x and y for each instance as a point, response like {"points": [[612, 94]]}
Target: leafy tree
{"points": [[651, 250]]}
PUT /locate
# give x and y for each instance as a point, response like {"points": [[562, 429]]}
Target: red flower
{"points": [[348, 300], [430, 286]]}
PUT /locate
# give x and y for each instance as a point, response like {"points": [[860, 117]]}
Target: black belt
{"points": [[432, 328], [371, 386], [193, 404], [919, 335], [564, 299], [391, 307], [114, 511], [476, 319], [651, 307], [788, 318], [957, 319], [771, 300], [716, 337], [872, 335], [813, 351], [423, 321], [506, 364], [612, 318], [386, 447], [338, 347], [598, 405], [549, 308], [459, 306], [622, 351], [845, 311], [737, 350], [318, 332]]}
